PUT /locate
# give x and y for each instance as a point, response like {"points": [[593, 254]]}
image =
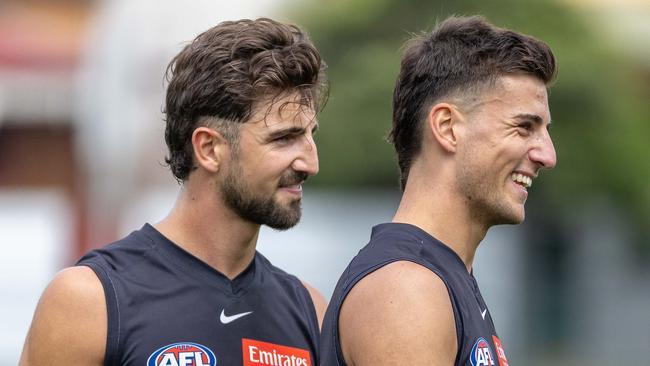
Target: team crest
{"points": [[182, 354], [481, 354]]}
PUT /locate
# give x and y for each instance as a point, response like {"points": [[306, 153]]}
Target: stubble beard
{"points": [[486, 199]]}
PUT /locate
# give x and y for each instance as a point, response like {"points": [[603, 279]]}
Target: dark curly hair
{"points": [[460, 54], [227, 71]]}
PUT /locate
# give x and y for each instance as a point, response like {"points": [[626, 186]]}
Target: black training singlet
{"points": [[478, 344], [168, 308]]}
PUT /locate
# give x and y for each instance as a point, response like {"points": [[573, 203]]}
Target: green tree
{"points": [[599, 104]]}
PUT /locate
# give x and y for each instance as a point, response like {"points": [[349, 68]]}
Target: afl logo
{"points": [[481, 355], [182, 354]]}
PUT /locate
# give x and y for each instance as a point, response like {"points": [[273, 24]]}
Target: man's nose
{"points": [[543, 153], [307, 162]]}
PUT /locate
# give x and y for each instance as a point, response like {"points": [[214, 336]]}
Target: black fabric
{"points": [[160, 295], [403, 242]]}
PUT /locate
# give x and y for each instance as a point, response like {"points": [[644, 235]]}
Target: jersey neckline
{"points": [[425, 238], [197, 268]]}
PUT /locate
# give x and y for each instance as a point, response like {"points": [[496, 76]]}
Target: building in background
{"points": [[41, 201], [81, 131]]}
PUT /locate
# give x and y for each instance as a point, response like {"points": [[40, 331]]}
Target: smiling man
{"points": [[192, 290], [470, 128]]}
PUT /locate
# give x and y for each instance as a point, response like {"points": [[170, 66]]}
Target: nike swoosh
{"points": [[482, 313], [229, 319]]}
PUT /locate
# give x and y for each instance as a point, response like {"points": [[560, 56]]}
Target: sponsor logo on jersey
{"points": [[501, 354], [258, 353], [481, 354], [182, 354]]}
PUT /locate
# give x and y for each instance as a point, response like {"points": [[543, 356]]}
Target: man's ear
{"points": [[442, 125], [209, 148]]}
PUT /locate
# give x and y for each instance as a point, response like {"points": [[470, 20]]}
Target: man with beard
{"points": [[191, 289], [470, 128]]}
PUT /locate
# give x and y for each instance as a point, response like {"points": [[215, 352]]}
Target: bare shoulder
{"points": [[70, 322], [399, 314], [319, 302]]}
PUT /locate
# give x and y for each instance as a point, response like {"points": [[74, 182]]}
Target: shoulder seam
{"points": [[111, 354]]}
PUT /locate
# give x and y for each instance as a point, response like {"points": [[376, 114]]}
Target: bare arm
{"points": [[400, 314], [319, 302], [70, 322]]}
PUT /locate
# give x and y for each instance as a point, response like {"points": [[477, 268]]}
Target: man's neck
{"points": [[443, 216], [211, 232]]}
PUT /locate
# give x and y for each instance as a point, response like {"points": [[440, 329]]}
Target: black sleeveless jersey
{"points": [[478, 344], [168, 308]]}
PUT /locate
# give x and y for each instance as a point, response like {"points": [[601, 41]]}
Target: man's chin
{"points": [[515, 217], [283, 224], [285, 216]]}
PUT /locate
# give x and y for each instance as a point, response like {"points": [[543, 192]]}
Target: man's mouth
{"points": [[522, 179], [293, 181], [293, 187]]}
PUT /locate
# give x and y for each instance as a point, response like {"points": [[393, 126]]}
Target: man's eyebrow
{"points": [[293, 130], [530, 117], [285, 131]]}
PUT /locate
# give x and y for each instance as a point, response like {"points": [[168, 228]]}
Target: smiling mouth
{"points": [[293, 181], [522, 180], [294, 187]]}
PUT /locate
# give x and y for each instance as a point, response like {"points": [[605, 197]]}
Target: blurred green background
{"points": [[600, 107], [600, 103]]}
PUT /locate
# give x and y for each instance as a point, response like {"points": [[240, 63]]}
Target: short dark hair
{"points": [[461, 54], [227, 71]]}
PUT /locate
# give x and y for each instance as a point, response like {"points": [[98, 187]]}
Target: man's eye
{"points": [[525, 127], [284, 138]]}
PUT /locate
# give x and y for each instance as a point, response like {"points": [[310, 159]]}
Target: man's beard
{"points": [[487, 201], [260, 209]]}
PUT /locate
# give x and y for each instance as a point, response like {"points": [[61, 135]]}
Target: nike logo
{"points": [[482, 313], [225, 319]]}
